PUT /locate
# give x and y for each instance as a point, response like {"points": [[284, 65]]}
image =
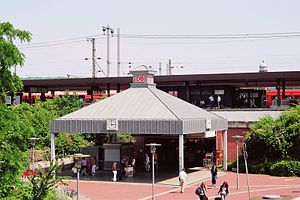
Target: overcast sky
{"points": [[67, 24]]}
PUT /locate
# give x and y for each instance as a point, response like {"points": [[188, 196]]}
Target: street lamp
{"points": [[33, 142], [153, 149], [78, 160], [237, 139]]}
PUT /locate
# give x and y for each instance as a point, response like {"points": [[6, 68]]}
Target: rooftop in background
{"points": [[255, 79]]}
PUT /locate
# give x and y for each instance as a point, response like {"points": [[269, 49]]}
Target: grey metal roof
{"points": [[140, 110], [245, 118]]}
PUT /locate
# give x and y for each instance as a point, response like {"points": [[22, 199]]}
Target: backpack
{"points": [[198, 191]]}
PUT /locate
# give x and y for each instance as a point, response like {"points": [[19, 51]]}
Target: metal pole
{"points": [[118, 51], [181, 152], [247, 175], [33, 157], [225, 151], [170, 72], [107, 53], [52, 147], [159, 69], [94, 57], [77, 184], [153, 197], [237, 163]]}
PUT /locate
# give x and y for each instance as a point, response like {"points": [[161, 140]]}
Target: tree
{"points": [[10, 56], [271, 140], [14, 134]]}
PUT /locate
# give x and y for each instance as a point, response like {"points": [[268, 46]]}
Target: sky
{"points": [[60, 29]]}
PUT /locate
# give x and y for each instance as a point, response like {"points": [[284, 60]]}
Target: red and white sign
{"points": [[140, 78]]}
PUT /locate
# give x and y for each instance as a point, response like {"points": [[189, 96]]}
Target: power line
{"points": [[170, 36], [57, 42], [214, 36]]}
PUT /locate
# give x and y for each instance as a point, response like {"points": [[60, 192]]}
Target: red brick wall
{"points": [[231, 145]]}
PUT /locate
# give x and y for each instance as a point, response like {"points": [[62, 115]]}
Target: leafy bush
{"points": [[271, 140], [44, 181], [285, 168], [13, 150]]}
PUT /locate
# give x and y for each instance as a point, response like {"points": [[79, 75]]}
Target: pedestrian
{"points": [[214, 175], [147, 163], [84, 164], [114, 171], [94, 165], [223, 192], [211, 101], [182, 180], [201, 191], [133, 165]]}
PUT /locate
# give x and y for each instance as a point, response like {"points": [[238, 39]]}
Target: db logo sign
{"points": [[140, 78]]}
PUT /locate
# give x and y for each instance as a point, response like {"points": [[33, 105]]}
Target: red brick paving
{"points": [[259, 184]]}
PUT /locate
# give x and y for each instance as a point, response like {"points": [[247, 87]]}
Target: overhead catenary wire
{"points": [[237, 36]]}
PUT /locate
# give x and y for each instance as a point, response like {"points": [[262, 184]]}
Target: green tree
{"points": [[271, 140], [10, 56], [67, 103], [14, 158]]}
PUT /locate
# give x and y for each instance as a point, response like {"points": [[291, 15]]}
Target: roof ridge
{"points": [[163, 102]]}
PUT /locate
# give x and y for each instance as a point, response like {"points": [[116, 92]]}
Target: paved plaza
{"points": [[167, 188]]}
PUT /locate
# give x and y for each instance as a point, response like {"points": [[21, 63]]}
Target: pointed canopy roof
{"points": [[141, 109]]}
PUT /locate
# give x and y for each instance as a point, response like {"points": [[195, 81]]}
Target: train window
{"points": [[298, 97], [288, 97]]}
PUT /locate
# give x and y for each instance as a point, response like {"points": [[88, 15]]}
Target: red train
{"points": [[83, 96], [292, 95]]}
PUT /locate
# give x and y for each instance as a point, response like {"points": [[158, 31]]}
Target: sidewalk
{"points": [[168, 189]]}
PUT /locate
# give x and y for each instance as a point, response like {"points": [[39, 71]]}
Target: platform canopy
{"points": [[141, 109]]}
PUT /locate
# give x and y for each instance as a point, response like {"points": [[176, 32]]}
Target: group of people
{"points": [[124, 164], [214, 101], [201, 190], [88, 166]]}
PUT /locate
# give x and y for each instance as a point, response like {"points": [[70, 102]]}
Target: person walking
{"points": [[201, 191], [114, 171], [147, 163], [94, 165], [182, 180], [133, 165], [214, 175], [223, 192], [84, 165]]}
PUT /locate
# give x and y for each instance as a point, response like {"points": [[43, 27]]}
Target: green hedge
{"points": [[285, 168], [275, 168]]}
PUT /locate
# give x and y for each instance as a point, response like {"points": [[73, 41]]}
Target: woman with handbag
{"points": [[223, 192], [201, 191]]}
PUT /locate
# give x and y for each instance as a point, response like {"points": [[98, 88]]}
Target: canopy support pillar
{"points": [[52, 140], [181, 152], [225, 150]]}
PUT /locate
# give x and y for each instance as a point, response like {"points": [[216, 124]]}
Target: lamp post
{"points": [[237, 139], [153, 149], [33, 142], [78, 160]]}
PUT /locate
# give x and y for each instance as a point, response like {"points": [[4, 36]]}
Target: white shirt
{"points": [[182, 175], [147, 160], [133, 162]]}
